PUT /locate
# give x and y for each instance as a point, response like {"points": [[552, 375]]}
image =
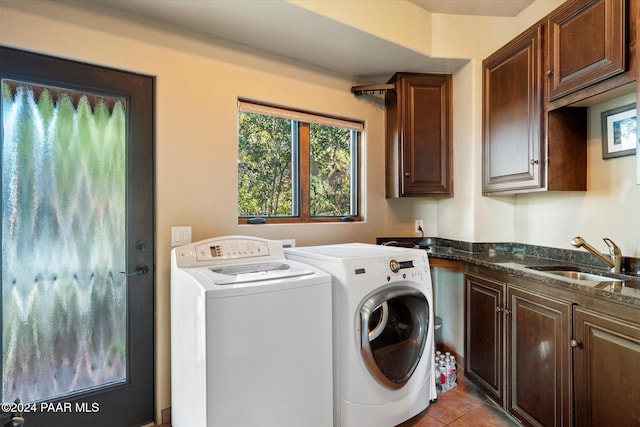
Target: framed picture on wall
{"points": [[619, 132]]}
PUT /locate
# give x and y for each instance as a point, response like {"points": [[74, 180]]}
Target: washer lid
{"points": [[253, 272]]}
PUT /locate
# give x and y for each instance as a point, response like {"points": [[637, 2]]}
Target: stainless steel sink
{"points": [[579, 275], [574, 273], [625, 285]]}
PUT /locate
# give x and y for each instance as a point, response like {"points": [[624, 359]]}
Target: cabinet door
{"points": [[419, 123], [538, 351], [607, 370], [512, 115], [586, 44], [484, 328]]}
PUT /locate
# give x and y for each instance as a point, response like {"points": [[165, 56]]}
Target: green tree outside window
{"points": [[299, 170]]}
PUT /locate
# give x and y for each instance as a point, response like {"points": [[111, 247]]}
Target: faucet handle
{"points": [[613, 248]]}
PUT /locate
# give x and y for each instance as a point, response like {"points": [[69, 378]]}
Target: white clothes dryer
{"points": [[251, 337], [383, 331]]}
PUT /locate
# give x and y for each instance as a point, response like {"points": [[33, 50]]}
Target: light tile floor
{"points": [[464, 405]]}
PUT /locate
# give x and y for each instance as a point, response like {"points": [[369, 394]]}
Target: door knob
{"points": [[141, 270]]}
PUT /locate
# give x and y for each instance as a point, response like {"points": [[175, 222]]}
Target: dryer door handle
{"points": [[382, 323]]}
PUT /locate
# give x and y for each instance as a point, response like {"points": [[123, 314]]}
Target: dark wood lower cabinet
{"points": [[607, 370], [517, 349], [539, 380], [484, 330]]}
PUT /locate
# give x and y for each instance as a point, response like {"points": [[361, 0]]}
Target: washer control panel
{"points": [[232, 249], [212, 251]]}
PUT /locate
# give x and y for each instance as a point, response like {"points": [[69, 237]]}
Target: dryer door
{"points": [[394, 325]]}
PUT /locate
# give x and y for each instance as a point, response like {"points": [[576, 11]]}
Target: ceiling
{"points": [[474, 7], [286, 29]]}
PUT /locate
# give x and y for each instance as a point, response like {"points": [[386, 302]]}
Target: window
{"points": [[296, 167]]}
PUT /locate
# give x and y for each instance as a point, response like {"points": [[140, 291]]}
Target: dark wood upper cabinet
{"points": [[537, 87], [525, 147], [418, 142], [587, 44], [512, 115]]}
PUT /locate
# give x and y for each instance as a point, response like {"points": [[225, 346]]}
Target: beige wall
{"points": [[199, 79], [198, 83], [609, 207]]}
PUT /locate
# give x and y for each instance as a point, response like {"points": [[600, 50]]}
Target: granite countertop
{"points": [[536, 262]]}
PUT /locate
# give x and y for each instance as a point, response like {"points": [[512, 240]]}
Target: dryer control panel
{"points": [[396, 266], [403, 266], [406, 268]]}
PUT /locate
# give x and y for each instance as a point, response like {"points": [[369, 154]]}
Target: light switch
{"points": [[180, 235]]}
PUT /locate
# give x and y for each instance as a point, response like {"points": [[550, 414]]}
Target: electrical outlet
{"points": [[419, 227]]}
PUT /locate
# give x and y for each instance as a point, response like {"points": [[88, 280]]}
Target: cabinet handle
{"points": [[549, 73], [534, 162], [507, 312], [576, 344], [498, 309]]}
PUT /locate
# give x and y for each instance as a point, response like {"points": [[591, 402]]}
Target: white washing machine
{"points": [[383, 331], [251, 340]]}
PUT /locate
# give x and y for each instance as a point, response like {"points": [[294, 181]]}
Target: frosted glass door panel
{"points": [[63, 241]]}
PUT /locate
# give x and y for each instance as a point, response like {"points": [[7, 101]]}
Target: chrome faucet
{"points": [[614, 260]]}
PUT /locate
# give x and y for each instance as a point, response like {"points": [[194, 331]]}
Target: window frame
{"points": [[301, 165]]}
